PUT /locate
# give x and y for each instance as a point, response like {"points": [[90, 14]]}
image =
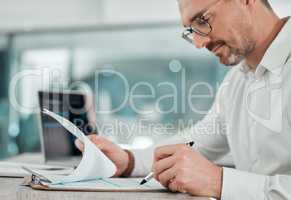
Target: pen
{"points": [[151, 174]]}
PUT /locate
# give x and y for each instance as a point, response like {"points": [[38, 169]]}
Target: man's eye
{"points": [[201, 21]]}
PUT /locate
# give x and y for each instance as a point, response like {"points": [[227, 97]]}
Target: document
{"points": [[108, 184], [94, 164], [92, 174]]}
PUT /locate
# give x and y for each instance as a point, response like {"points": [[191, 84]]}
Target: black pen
{"points": [[151, 174]]}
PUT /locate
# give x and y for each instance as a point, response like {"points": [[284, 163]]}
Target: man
{"points": [[253, 103]]}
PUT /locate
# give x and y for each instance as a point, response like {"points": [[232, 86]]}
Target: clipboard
{"points": [[100, 185]]}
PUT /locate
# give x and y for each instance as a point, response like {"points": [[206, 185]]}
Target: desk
{"points": [[11, 189]]}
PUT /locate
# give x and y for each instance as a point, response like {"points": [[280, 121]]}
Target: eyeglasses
{"points": [[200, 26]]}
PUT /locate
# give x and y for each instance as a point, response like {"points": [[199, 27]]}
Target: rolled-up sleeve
{"points": [[239, 185], [143, 161]]}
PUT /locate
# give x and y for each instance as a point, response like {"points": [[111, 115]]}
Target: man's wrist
{"points": [[218, 183], [130, 165]]}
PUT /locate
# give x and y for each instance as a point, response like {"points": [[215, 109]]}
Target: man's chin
{"points": [[231, 60]]}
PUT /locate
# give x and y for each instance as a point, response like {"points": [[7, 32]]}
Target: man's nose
{"points": [[201, 41]]}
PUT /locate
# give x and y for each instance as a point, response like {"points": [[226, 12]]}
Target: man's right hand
{"points": [[116, 154]]}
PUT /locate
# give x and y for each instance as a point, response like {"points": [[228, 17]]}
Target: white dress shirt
{"points": [[251, 119]]}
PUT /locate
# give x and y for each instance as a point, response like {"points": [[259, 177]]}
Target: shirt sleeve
{"points": [[209, 136], [143, 158], [239, 185]]}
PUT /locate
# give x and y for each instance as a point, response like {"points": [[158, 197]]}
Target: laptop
{"points": [[57, 145]]}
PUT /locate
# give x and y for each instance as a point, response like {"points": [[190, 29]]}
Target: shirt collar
{"points": [[276, 55]]}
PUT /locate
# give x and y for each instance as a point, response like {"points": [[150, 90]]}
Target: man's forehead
{"points": [[191, 8]]}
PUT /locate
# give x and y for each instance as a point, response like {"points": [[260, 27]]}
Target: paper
{"points": [[110, 184], [94, 164]]}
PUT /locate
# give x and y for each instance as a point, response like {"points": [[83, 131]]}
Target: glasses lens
{"points": [[201, 27], [188, 35]]}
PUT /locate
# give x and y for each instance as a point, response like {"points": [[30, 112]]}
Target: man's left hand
{"points": [[181, 169]]}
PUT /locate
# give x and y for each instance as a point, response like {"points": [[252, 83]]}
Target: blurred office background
{"points": [[73, 38]]}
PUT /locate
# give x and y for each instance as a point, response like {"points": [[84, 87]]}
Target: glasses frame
{"points": [[190, 30]]}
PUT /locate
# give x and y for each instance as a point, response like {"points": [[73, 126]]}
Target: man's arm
{"points": [[209, 136], [181, 169]]}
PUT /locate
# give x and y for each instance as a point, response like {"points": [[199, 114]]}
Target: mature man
{"points": [[251, 110]]}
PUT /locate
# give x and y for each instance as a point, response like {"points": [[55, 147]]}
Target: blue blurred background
{"points": [[139, 39]]}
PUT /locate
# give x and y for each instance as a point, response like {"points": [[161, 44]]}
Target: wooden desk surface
{"points": [[11, 189]]}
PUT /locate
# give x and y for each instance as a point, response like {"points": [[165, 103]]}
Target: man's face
{"points": [[231, 38]]}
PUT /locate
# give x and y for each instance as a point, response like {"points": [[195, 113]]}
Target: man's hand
{"points": [[181, 169], [117, 155]]}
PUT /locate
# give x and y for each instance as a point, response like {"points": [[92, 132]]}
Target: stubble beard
{"points": [[238, 55]]}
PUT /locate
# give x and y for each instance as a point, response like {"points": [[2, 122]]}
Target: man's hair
{"points": [[267, 3]]}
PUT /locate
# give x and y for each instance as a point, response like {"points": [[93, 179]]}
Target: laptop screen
{"points": [[56, 141]]}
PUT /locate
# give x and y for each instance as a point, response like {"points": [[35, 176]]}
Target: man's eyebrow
{"points": [[197, 15]]}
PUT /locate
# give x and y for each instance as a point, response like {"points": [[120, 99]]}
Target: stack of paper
{"points": [[92, 174], [94, 164]]}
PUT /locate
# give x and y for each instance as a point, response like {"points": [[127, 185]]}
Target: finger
{"points": [[175, 187], [167, 176], [79, 145], [99, 141], [94, 137], [105, 145], [162, 165], [165, 151]]}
